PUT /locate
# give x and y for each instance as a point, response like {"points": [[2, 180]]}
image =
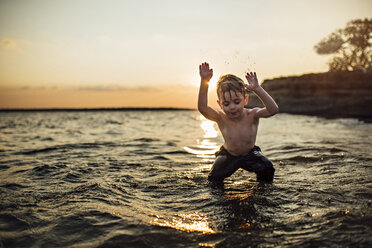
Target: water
{"points": [[139, 179]]}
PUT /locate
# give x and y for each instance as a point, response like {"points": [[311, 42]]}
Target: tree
{"points": [[352, 46]]}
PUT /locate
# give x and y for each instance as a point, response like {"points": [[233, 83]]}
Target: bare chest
{"points": [[239, 131]]}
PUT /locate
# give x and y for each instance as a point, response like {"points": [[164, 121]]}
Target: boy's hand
{"points": [[252, 81], [205, 73]]}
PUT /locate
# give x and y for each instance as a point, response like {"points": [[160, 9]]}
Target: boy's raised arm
{"points": [[205, 75], [271, 108]]}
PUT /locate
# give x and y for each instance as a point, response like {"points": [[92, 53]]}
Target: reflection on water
{"points": [[207, 146], [194, 222], [208, 128], [186, 222]]}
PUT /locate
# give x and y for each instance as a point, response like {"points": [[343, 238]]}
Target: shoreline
{"points": [[329, 94]]}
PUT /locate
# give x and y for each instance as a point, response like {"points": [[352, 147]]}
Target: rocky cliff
{"points": [[332, 94]]}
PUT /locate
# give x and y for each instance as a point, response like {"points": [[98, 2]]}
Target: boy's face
{"points": [[232, 103]]}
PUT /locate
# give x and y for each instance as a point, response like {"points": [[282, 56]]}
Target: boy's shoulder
{"points": [[221, 113], [250, 111]]}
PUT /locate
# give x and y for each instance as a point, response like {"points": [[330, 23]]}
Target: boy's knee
{"points": [[266, 174], [215, 181], [214, 178]]}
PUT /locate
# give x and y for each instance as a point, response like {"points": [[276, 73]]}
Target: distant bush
{"points": [[352, 46]]}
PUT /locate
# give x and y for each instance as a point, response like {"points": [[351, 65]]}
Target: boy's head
{"points": [[232, 96], [228, 83]]}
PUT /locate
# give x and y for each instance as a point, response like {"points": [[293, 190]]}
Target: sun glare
{"points": [[206, 147], [212, 83], [208, 128]]}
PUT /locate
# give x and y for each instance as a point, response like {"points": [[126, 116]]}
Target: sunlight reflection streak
{"points": [[186, 222], [205, 148], [208, 128]]}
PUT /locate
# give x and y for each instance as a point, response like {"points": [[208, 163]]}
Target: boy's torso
{"points": [[240, 134]]}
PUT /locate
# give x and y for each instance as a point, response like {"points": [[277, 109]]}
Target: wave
{"points": [[67, 147]]}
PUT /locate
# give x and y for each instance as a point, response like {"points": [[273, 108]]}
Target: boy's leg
{"points": [[256, 162], [223, 167]]}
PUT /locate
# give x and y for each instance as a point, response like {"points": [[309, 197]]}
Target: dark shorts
{"points": [[226, 164]]}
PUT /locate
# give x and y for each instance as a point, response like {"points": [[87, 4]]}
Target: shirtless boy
{"points": [[238, 125]]}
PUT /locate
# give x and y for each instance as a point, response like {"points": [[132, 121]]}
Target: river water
{"points": [[139, 179]]}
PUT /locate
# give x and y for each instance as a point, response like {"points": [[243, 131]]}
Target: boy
{"points": [[238, 125]]}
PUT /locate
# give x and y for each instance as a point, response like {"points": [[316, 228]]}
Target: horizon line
{"points": [[96, 109]]}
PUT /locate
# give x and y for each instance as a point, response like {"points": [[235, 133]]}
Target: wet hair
{"points": [[229, 82]]}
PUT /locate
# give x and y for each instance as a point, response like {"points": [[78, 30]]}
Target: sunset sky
{"points": [[76, 53]]}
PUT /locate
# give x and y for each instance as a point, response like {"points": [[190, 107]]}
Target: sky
{"points": [[92, 53]]}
